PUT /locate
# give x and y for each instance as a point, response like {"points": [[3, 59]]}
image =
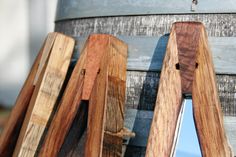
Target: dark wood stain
{"points": [[187, 38]]}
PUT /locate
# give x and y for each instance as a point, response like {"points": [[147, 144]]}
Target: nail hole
{"points": [[196, 65], [177, 66]]}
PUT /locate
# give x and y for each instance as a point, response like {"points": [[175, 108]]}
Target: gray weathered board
{"points": [[150, 52], [68, 9], [217, 25]]}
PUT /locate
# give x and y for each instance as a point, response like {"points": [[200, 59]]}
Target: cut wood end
{"points": [[46, 50]]}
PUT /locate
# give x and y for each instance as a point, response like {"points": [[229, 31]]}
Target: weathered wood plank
{"points": [[206, 105], [44, 97], [68, 9], [66, 112], [12, 128], [142, 87], [168, 102], [114, 123], [227, 92], [106, 111], [188, 45], [150, 52], [97, 110], [217, 25]]}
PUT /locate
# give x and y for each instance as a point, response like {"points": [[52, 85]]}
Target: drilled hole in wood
{"points": [[196, 65], [177, 66]]}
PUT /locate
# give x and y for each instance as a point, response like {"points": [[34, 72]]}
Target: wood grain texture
{"points": [[227, 92], [208, 116], [187, 36], [162, 132], [12, 128], [142, 84], [66, 112], [96, 114], [44, 97], [141, 89], [96, 46], [78, 89], [70, 9], [106, 111], [217, 25], [114, 123], [206, 104]]}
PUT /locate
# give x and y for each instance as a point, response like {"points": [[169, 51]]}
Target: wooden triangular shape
{"points": [[188, 70]]}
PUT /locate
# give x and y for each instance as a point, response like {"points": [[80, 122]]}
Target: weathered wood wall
{"points": [[142, 83]]}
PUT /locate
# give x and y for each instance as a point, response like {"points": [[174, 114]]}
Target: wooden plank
{"points": [[106, 111], [190, 38], [78, 89], [97, 109], [206, 105], [150, 52], [114, 123], [44, 97], [162, 132], [12, 128], [68, 9], [66, 112]]}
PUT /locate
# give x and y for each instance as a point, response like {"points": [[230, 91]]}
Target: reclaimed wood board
{"points": [[162, 132], [188, 60], [69, 9], [114, 52], [44, 97], [141, 86], [207, 113], [106, 111], [114, 123], [66, 111], [12, 128], [96, 113]]}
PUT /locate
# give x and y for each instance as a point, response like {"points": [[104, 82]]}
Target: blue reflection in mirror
{"points": [[188, 145]]}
